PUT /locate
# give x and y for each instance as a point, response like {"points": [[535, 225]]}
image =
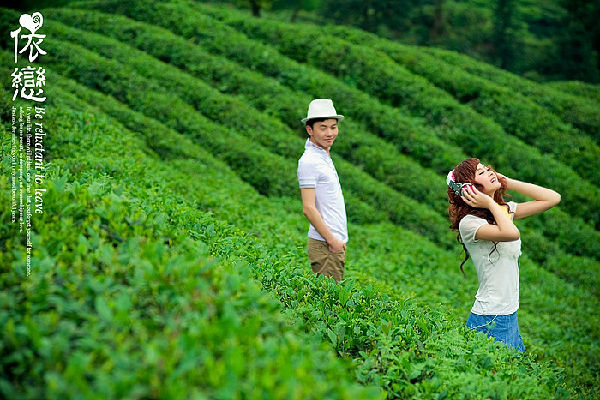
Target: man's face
{"points": [[323, 133]]}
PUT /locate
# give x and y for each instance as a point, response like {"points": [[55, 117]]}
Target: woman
{"points": [[489, 236]]}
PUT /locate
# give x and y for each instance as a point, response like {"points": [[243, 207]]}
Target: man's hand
{"points": [[336, 245], [312, 214]]}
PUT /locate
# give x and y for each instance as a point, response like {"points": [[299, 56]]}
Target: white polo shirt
{"points": [[497, 270], [316, 170]]}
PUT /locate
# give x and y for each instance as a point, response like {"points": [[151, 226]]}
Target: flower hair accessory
{"points": [[452, 184]]}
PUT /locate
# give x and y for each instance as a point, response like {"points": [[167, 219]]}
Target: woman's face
{"points": [[487, 178]]}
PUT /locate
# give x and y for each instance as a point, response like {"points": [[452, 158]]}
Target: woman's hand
{"points": [[503, 177], [475, 198], [500, 175], [543, 198]]}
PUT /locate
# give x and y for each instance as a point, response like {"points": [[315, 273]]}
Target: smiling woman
{"points": [[488, 234]]}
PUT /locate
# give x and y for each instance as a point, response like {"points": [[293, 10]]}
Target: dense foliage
{"points": [[542, 39], [169, 262]]}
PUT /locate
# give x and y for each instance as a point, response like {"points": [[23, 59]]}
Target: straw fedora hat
{"points": [[322, 108]]}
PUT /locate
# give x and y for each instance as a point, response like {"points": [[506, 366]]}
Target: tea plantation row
{"points": [[376, 156], [378, 75], [567, 324], [169, 173], [523, 161], [135, 273], [555, 261], [207, 101]]}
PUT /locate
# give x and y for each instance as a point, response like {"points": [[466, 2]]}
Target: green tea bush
{"points": [[98, 355], [430, 276], [355, 145], [383, 199], [577, 88], [576, 103], [268, 277], [252, 162], [291, 285], [242, 154], [167, 206], [516, 113], [410, 136], [521, 160], [262, 93], [117, 308], [375, 73]]}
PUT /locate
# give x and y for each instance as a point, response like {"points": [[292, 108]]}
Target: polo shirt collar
{"points": [[310, 146]]}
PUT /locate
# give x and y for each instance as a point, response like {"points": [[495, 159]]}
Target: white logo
{"points": [[32, 23]]}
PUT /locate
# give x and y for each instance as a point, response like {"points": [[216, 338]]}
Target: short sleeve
{"points": [[468, 227], [307, 175], [512, 207]]}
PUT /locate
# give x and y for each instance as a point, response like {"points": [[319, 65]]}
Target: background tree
{"points": [[387, 18], [505, 40], [256, 5], [437, 28], [579, 44]]}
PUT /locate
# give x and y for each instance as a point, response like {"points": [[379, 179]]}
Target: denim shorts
{"points": [[504, 328]]}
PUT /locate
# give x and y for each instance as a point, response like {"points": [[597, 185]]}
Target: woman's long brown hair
{"points": [[458, 209]]}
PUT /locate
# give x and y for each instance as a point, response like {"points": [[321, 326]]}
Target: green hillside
{"points": [[170, 258]]}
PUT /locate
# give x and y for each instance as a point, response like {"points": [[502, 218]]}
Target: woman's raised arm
{"points": [[543, 198]]}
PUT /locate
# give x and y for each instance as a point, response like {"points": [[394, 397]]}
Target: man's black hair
{"points": [[311, 122]]}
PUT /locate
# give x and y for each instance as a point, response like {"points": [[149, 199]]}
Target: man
{"points": [[322, 198]]}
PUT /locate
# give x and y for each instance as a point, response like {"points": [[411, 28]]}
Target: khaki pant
{"points": [[323, 261]]}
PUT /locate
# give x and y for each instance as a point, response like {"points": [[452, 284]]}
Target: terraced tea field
{"points": [[170, 258]]}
